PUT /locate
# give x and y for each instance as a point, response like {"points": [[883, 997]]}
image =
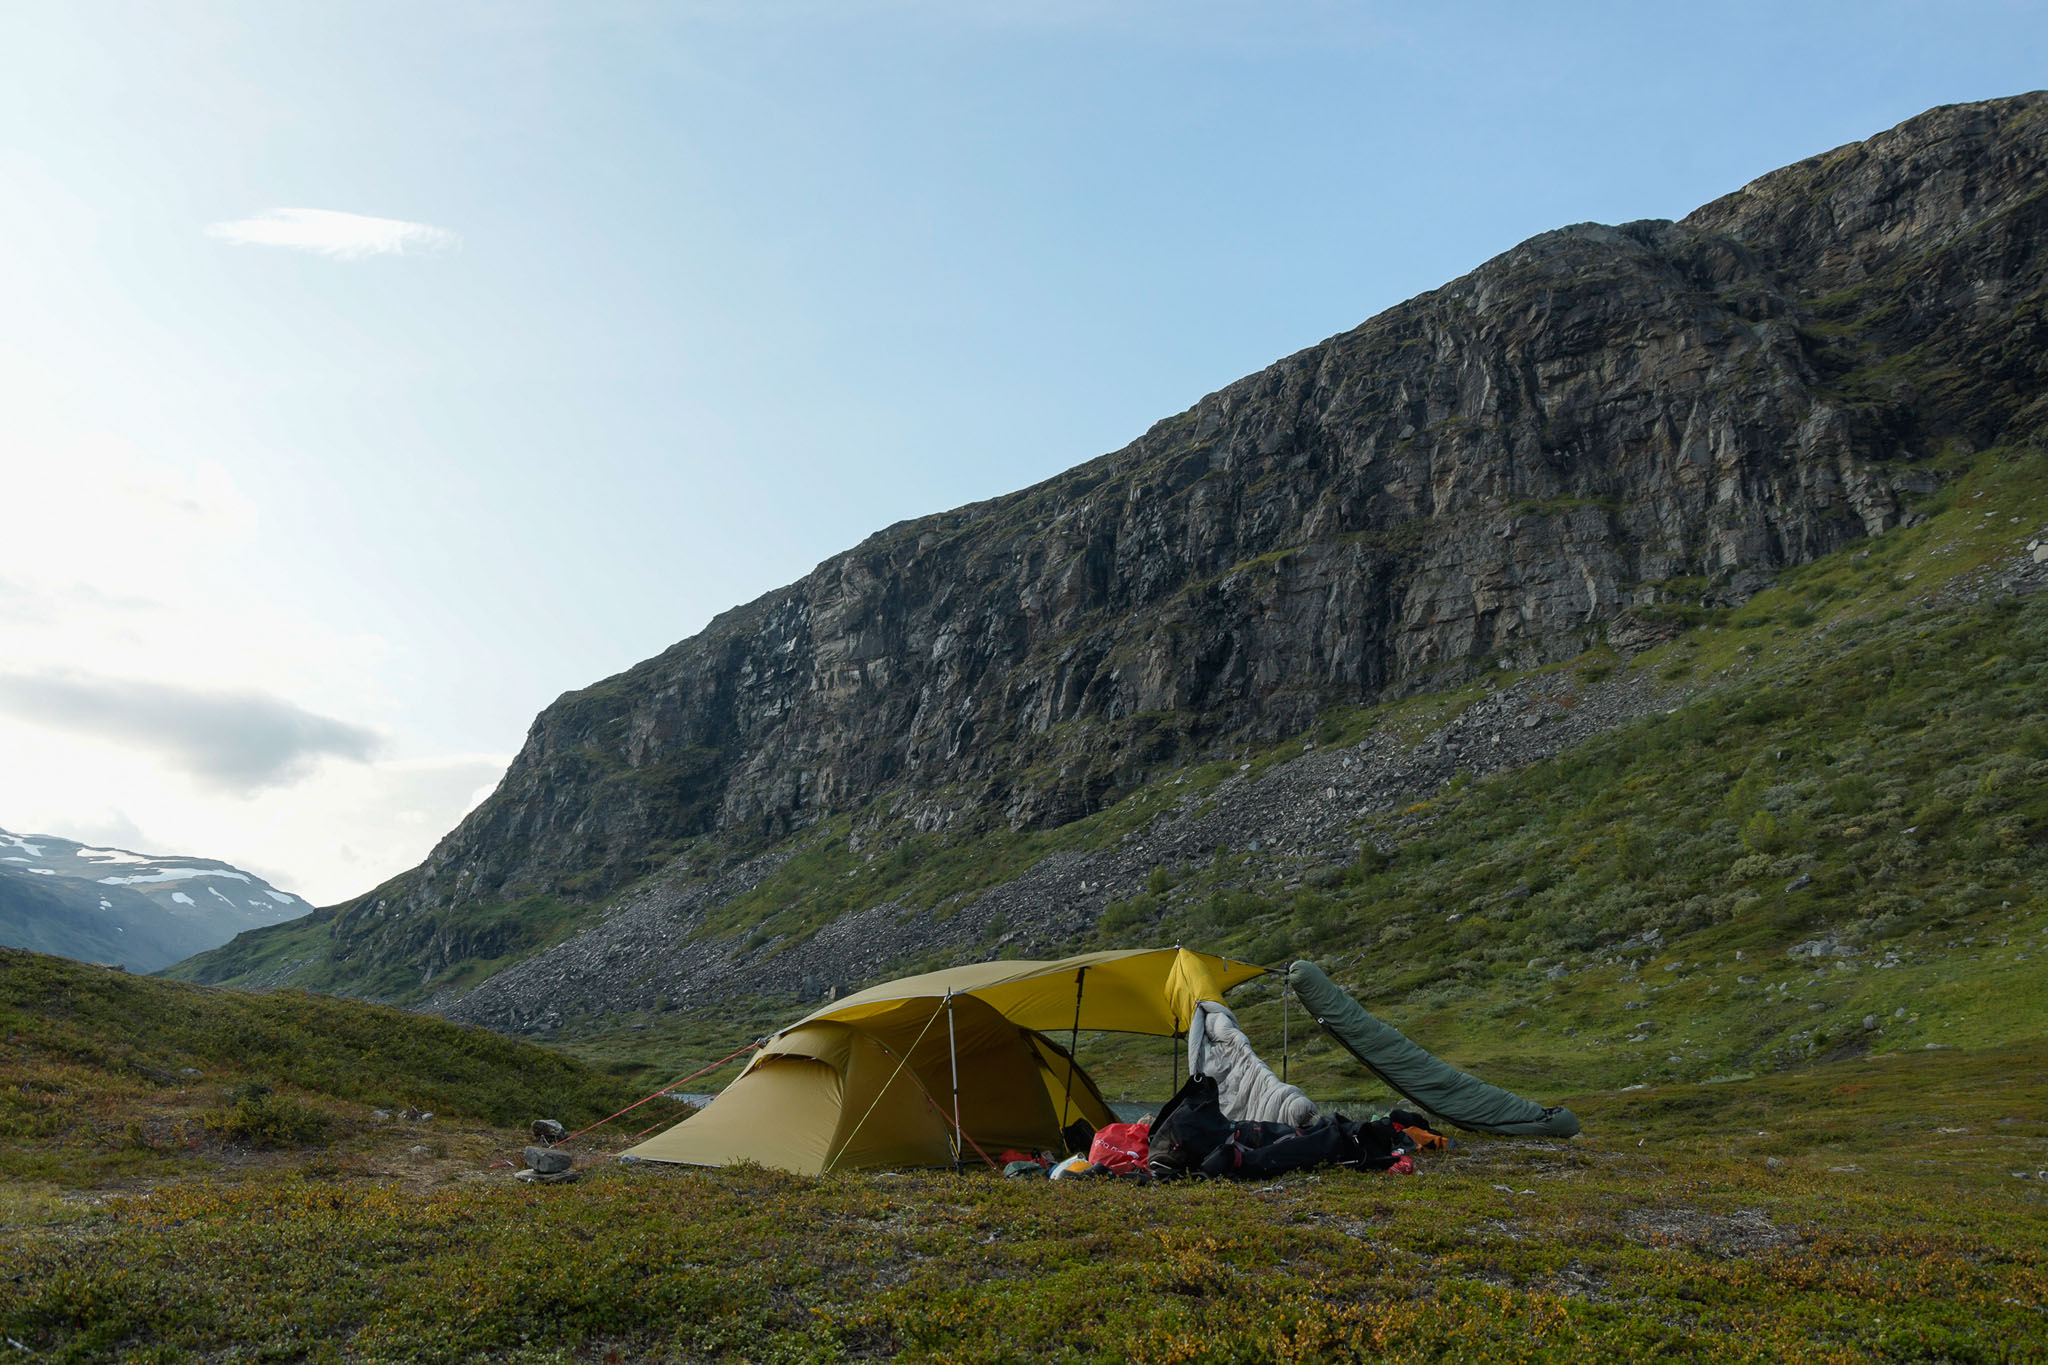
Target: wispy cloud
{"points": [[326, 232], [237, 741]]}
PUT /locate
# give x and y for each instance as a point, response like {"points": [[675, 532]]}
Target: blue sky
{"points": [[720, 288]]}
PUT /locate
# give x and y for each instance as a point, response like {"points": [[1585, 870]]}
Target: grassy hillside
{"points": [[111, 1075], [302, 953]]}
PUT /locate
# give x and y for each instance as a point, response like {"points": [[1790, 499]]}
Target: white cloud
{"points": [[145, 625], [326, 232], [240, 740]]}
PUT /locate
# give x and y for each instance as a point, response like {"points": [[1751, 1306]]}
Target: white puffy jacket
{"points": [[1245, 1085]]}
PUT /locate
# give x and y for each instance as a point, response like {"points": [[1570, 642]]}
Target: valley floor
{"points": [[1882, 1208]]}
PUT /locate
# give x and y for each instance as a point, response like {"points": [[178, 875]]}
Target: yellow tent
{"points": [[875, 1079]]}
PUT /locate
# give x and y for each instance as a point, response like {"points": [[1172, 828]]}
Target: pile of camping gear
{"points": [[962, 1065], [1192, 1135]]}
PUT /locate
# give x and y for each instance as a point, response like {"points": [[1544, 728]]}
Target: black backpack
{"points": [[1189, 1128]]}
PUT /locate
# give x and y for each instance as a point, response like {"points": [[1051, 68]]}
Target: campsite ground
{"points": [[1889, 1207]]}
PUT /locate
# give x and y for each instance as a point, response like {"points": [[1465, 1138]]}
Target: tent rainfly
{"points": [[890, 1075]]}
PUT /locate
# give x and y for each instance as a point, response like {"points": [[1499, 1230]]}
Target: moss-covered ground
{"points": [[1859, 1210]]}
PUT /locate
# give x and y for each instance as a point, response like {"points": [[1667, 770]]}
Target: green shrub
{"points": [[1271, 949], [252, 1115]]}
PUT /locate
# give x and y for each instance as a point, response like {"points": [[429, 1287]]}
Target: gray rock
{"points": [[1799, 883], [548, 1130], [532, 1177], [547, 1161]]}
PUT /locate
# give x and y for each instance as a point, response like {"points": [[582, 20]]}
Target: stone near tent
{"points": [[546, 1177], [547, 1162], [548, 1130]]}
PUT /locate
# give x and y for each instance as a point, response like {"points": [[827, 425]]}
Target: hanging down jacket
{"points": [[1246, 1087]]}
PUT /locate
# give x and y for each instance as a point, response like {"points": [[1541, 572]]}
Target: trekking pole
{"points": [[1283, 1030]]}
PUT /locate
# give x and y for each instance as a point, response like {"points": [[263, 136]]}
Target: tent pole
{"points": [[1073, 1045], [1283, 1030], [953, 1050]]}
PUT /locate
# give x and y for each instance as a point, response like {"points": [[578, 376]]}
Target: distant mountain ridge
{"points": [[1577, 443], [142, 911]]}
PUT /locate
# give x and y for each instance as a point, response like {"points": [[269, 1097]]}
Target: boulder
{"points": [[547, 1161]]}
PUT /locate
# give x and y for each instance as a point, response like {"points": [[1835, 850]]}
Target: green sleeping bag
{"points": [[1433, 1084]]}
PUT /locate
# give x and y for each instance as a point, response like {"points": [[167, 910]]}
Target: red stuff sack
{"points": [[1123, 1147]]}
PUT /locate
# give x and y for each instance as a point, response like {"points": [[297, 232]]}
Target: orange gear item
{"points": [[1424, 1139]]}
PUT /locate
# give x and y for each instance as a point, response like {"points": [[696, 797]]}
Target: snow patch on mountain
{"points": [[174, 874]]}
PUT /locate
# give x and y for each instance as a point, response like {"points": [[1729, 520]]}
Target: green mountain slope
{"points": [[1830, 838], [110, 1074]]}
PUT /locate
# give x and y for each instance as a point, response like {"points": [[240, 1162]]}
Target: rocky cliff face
{"points": [[1600, 422]]}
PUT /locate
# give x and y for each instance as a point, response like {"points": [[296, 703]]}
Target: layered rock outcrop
{"points": [[1597, 422]]}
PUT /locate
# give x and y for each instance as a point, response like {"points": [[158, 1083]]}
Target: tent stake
{"points": [[1073, 1045], [953, 1050]]}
